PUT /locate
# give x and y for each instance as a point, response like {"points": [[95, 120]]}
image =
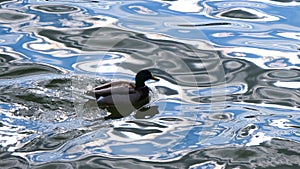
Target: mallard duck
{"points": [[121, 97]]}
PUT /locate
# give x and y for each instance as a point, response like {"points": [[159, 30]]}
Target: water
{"points": [[228, 95]]}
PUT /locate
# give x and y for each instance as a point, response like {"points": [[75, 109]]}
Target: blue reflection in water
{"points": [[229, 79]]}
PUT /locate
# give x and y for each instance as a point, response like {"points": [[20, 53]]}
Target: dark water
{"points": [[228, 95]]}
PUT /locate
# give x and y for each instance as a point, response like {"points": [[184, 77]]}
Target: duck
{"points": [[120, 98]]}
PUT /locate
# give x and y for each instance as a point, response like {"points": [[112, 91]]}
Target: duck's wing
{"points": [[115, 88], [110, 84]]}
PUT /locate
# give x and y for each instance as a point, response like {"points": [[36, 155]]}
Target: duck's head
{"points": [[143, 76]]}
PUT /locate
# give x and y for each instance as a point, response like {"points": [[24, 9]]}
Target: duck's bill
{"points": [[155, 78]]}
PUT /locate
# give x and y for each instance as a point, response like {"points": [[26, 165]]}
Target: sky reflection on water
{"points": [[229, 79]]}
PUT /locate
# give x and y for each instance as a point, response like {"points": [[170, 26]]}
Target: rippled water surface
{"points": [[228, 95]]}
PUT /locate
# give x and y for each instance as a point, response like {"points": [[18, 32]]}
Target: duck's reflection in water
{"points": [[146, 112], [140, 110], [141, 113]]}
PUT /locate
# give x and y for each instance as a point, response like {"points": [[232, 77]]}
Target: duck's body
{"points": [[122, 97], [120, 93]]}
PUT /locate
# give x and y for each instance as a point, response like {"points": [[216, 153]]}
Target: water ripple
{"points": [[246, 14], [57, 9], [228, 89]]}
